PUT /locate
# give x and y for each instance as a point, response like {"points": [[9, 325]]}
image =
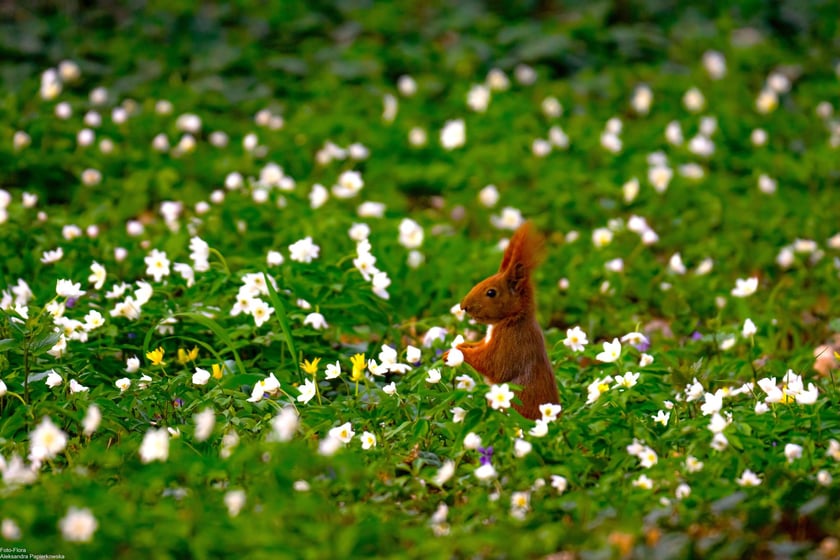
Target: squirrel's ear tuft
{"points": [[525, 248]]}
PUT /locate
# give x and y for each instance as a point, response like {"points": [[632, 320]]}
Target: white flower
{"points": [[465, 382], [274, 258], [411, 234], [316, 321], [155, 446], [642, 99], [521, 447], [157, 265], [186, 272], [719, 442], [304, 251], [715, 64], [389, 107], [406, 85], [748, 478], [433, 376], [676, 265], [767, 184], [550, 411], [3, 389], [269, 385], [749, 329], [807, 396], [485, 472], [718, 423], [204, 423], [349, 184], [500, 396], [793, 452], [444, 473], [368, 440], [458, 414], [260, 311], [488, 196], [660, 177], [54, 379], [47, 440], [611, 353], [520, 503], [824, 478], [693, 100], [285, 424], [10, 530], [200, 377], [478, 98], [597, 388], [91, 421], [712, 403], [673, 133], [745, 287], [575, 339], [767, 101], [453, 135], [132, 364], [78, 525], [662, 417], [628, 380], [510, 218], [333, 371], [559, 483], [647, 457], [645, 360], [643, 482], [454, 358], [390, 389], [540, 428], [76, 387], [318, 196], [601, 237], [343, 433], [234, 501], [49, 257], [307, 391], [472, 441]]}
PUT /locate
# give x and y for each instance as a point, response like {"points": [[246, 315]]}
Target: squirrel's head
{"points": [[508, 293]]}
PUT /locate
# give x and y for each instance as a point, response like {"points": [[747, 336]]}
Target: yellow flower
{"points": [[359, 366], [217, 371], [310, 367], [156, 356], [184, 357]]}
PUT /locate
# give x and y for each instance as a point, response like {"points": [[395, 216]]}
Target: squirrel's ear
{"points": [[516, 277], [515, 246]]}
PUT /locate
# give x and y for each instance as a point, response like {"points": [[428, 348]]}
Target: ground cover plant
{"points": [[234, 244]]}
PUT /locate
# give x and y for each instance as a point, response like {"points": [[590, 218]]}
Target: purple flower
{"points": [[71, 301], [696, 335], [643, 346], [486, 455]]}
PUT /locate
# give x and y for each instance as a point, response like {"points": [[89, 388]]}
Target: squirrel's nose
{"points": [[466, 308]]}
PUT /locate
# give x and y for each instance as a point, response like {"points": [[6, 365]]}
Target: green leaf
{"points": [[7, 344], [43, 343]]}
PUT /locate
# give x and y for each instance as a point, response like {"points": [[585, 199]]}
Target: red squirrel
{"points": [[514, 351]]}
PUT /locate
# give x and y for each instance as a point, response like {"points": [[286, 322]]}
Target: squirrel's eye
{"points": [[491, 292]]}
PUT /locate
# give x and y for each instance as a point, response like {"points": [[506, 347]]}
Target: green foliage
{"points": [[616, 474]]}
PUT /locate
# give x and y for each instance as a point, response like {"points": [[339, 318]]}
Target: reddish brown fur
{"points": [[515, 352]]}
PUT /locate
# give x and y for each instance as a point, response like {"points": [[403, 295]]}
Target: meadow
{"points": [[234, 245]]}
